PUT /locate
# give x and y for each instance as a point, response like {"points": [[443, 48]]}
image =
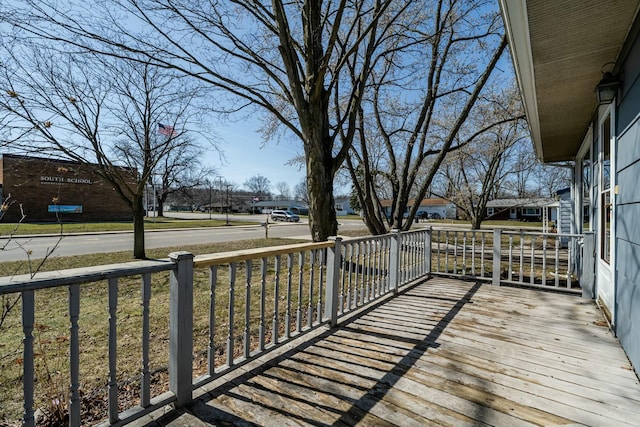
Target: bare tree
{"points": [[472, 174], [295, 57], [259, 185], [101, 112], [524, 167], [301, 192], [180, 171], [553, 177], [283, 190], [440, 64]]}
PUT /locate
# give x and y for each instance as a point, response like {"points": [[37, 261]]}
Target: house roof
{"points": [[559, 49], [522, 202], [268, 203], [425, 202]]}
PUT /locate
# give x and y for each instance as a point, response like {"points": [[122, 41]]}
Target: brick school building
{"points": [[45, 190]]}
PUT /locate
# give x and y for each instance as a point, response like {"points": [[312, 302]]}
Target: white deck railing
{"points": [[533, 259], [256, 300]]}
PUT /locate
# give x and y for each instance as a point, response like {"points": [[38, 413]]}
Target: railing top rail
{"points": [[540, 233], [352, 240], [247, 254], [460, 230], [72, 276]]}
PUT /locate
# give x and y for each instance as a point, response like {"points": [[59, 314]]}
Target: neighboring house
{"points": [[343, 206], [429, 208], [563, 50], [527, 209], [295, 206]]}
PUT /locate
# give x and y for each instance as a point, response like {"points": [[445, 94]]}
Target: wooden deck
{"points": [[444, 352]]}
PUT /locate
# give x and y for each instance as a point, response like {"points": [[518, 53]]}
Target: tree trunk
{"points": [[476, 221], [159, 208], [322, 214], [138, 228]]}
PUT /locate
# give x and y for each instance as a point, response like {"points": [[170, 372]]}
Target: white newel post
{"points": [[497, 236], [394, 261], [333, 281], [427, 250], [181, 327]]}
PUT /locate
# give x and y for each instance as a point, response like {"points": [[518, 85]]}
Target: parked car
{"points": [[284, 216]]}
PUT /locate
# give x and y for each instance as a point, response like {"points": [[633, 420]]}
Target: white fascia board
{"points": [[514, 14]]}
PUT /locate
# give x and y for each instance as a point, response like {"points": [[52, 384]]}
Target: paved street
{"points": [[123, 241]]}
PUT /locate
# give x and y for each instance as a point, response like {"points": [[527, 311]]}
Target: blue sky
{"points": [[247, 155]]}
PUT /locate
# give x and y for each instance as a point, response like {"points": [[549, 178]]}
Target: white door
{"points": [[605, 213]]}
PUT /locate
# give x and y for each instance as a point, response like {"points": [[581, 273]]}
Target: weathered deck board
{"points": [[444, 352]]}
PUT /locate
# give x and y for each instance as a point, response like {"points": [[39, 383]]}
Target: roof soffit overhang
{"points": [[558, 49]]}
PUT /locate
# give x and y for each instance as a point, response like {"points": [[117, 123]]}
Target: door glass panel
{"points": [[586, 192], [605, 195]]}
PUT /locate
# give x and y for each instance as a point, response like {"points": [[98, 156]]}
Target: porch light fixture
{"points": [[607, 88]]}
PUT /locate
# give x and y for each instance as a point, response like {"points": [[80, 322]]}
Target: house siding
{"points": [[628, 211]]}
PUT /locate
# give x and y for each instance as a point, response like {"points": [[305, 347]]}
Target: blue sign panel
{"points": [[65, 208]]}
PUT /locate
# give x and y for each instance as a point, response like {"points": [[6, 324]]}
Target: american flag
{"points": [[166, 130]]}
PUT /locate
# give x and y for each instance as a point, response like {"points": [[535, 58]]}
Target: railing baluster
{"points": [[357, 266], [320, 282], [473, 253], [521, 269], [365, 290], [348, 250], [351, 288], [455, 252], [446, 253], [300, 285], [414, 256], [533, 260], [113, 350], [145, 392], [263, 297], [312, 265], [276, 297], [376, 270], [230, 329], [569, 271], [74, 355], [556, 281], [342, 282], [380, 267], [544, 260], [482, 255], [510, 272], [464, 253], [211, 349], [28, 319], [438, 263], [359, 292], [247, 308], [287, 316]]}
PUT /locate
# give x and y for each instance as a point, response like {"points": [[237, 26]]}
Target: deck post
{"points": [[495, 275], [588, 264], [333, 280], [181, 327], [394, 260], [427, 250]]}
